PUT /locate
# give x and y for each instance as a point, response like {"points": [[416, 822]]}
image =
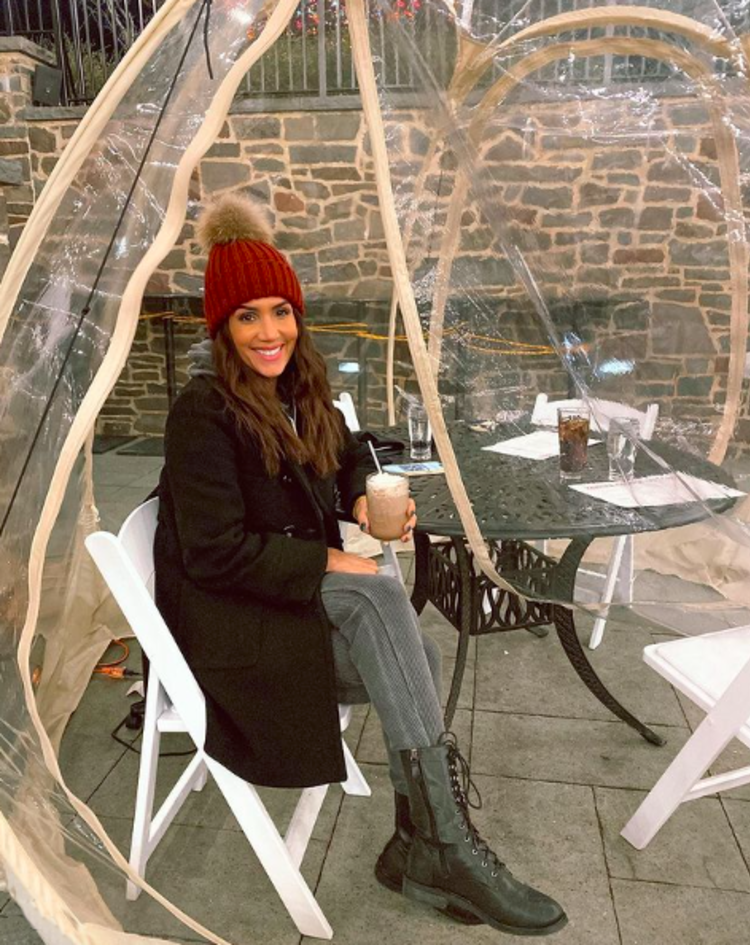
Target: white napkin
{"points": [[670, 489], [542, 444]]}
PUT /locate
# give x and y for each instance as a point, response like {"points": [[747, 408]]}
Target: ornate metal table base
{"points": [[447, 576]]}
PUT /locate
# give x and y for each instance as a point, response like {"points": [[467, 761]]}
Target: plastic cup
{"points": [[387, 505]]}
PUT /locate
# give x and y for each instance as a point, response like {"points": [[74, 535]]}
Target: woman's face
{"points": [[264, 332]]}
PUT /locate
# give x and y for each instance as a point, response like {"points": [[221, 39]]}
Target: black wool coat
{"points": [[239, 557]]}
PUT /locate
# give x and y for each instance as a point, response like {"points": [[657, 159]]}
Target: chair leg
{"points": [[613, 579], [390, 560], [272, 852], [694, 758], [144, 802], [356, 783]]}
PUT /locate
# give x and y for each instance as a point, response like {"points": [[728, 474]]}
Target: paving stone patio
{"points": [[558, 775]]}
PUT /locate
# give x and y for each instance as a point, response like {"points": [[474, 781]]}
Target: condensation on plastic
{"points": [[539, 165], [534, 331]]}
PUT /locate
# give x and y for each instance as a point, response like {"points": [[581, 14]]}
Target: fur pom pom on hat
{"points": [[243, 263]]}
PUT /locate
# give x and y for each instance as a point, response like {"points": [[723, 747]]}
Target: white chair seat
{"points": [[703, 667]]}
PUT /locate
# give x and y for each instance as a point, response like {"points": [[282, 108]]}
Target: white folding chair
{"points": [[714, 671], [175, 703], [348, 408], [618, 579]]}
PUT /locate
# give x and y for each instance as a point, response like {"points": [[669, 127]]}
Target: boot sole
{"points": [[385, 880], [441, 900]]}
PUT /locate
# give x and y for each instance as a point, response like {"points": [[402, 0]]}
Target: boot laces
{"points": [[463, 786]]}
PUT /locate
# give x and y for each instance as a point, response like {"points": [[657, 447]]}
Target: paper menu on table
{"points": [[669, 489], [542, 444]]}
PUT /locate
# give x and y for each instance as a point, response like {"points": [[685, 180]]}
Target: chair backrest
{"points": [[602, 411], [126, 562], [346, 405]]}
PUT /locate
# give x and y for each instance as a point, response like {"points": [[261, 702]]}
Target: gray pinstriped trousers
{"points": [[382, 657]]}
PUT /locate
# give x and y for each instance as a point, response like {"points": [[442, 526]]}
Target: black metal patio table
{"points": [[517, 501]]}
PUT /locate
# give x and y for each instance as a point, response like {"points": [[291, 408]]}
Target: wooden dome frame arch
{"points": [[473, 60], [52, 907]]}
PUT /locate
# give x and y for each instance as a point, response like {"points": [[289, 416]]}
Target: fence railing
{"points": [[313, 58]]}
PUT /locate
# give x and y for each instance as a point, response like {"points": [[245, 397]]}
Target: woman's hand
{"points": [[363, 520], [344, 563]]}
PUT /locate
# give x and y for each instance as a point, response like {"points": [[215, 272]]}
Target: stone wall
{"points": [[629, 254]]}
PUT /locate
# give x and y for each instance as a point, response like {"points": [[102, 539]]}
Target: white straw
{"points": [[375, 456]]}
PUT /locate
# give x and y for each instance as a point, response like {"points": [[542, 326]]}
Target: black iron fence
{"points": [[313, 58]]}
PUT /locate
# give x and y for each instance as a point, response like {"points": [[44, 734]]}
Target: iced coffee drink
{"points": [[573, 431], [387, 503]]}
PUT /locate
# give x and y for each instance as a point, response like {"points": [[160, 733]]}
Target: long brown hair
{"points": [[259, 409]]}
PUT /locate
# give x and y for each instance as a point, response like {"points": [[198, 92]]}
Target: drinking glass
{"points": [[622, 440], [420, 433], [573, 433], [387, 505]]}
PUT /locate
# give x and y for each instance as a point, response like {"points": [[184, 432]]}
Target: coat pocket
{"points": [[218, 631]]}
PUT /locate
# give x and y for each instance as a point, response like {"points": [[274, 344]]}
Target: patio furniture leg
{"points": [[563, 588], [464, 630], [419, 594]]}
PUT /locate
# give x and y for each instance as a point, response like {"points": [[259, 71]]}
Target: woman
{"points": [[277, 622]]}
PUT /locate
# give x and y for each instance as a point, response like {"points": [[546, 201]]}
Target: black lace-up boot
{"points": [[389, 870], [449, 865]]}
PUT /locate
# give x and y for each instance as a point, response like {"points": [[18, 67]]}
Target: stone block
{"points": [[288, 203], [11, 172], [263, 149], [631, 315], [694, 231], [482, 271], [557, 198], [698, 254], [564, 142], [326, 154], [337, 126], [337, 254], [221, 175], [349, 230], [710, 207], [256, 126], [310, 239], [679, 329], [42, 140], [689, 114], [223, 149], [299, 128], [638, 256], [694, 386], [268, 166], [655, 218], [13, 147], [347, 272], [597, 276], [594, 195], [618, 217], [338, 210], [565, 221], [622, 160], [538, 173], [721, 301], [508, 148], [313, 188], [662, 194], [623, 180], [338, 174]]}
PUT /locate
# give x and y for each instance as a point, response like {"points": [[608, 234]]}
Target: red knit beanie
{"points": [[243, 264]]}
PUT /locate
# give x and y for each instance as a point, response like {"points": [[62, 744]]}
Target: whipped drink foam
{"points": [[387, 501]]}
